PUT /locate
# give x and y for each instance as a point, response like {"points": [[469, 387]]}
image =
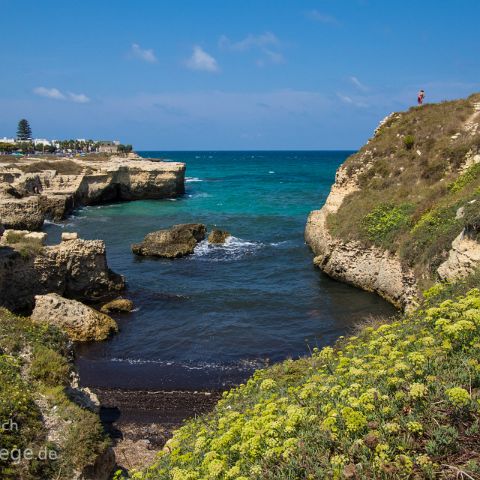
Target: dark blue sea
{"points": [[209, 320]]}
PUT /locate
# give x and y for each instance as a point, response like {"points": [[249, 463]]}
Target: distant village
{"points": [[25, 144]]}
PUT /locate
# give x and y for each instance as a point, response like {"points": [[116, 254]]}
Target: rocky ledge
{"points": [[370, 268], [35, 189], [74, 269]]}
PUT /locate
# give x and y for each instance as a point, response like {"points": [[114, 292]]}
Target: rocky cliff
{"points": [[405, 210], [33, 189], [74, 269]]}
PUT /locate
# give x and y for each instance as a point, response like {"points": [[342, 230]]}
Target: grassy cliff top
{"points": [[414, 175]]}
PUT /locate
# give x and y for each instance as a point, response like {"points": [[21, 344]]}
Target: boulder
{"points": [[80, 322], [66, 236], [75, 269], [174, 242], [118, 305], [218, 236]]}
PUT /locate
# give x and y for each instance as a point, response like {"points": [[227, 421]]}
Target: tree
{"points": [[24, 132]]}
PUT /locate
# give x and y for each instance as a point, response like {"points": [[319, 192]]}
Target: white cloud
{"points": [[250, 41], [49, 93], [56, 94], [352, 101], [78, 97], [145, 54], [263, 42], [201, 60], [355, 81], [322, 17]]}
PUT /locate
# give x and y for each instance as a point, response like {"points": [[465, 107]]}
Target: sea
{"points": [[207, 321]]}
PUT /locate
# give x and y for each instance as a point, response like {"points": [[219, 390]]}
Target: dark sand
{"points": [[140, 421]]}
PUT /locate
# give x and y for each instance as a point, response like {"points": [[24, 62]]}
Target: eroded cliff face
{"points": [[369, 268], [73, 269], [33, 190], [422, 168]]}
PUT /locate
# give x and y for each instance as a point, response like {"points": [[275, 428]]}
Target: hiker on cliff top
{"points": [[420, 97]]}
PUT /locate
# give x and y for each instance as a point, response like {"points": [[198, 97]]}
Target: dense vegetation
{"points": [[34, 372], [416, 196], [399, 400]]}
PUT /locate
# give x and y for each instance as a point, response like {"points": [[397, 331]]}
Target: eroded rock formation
{"points": [[57, 186], [174, 242], [80, 322], [74, 269], [371, 269]]}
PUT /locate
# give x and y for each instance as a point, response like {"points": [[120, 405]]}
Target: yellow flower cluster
{"points": [[373, 401]]}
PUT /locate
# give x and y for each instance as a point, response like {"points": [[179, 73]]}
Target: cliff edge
{"points": [[35, 189], [404, 211]]}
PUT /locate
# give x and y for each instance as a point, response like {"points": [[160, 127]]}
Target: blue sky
{"points": [[236, 74]]}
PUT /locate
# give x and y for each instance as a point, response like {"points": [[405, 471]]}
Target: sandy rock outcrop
{"points": [[21, 213], [75, 269], [218, 236], [80, 322], [174, 242], [27, 199], [463, 258], [371, 269]]}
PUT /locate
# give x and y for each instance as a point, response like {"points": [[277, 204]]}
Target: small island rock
{"points": [[218, 236], [80, 322], [174, 242], [118, 305]]}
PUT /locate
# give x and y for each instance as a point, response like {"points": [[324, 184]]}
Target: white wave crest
{"points": [[192, 179], [233, 249]]}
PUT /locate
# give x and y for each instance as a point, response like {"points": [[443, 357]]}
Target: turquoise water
{"points": [[209, 319]]}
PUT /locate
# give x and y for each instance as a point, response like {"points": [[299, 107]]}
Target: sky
{"points": [[229, 75]]}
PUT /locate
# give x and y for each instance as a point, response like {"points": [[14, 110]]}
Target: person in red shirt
{"points": [[421, 96]]}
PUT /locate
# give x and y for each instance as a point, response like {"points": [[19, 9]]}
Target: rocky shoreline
{"points": [[33, 190]]}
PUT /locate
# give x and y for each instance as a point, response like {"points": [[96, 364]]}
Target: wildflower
{"points": [[354, 420], [392, 427], [458, 397], [268, 384], [415, 428], [418, 390]]}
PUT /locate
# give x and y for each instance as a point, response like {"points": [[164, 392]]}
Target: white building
{"points": [[8, 140], [44, 141]]}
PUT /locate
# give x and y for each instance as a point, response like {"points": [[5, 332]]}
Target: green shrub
{"points": [[472, 174], [384, 221], [408, 142], [49, 367]]}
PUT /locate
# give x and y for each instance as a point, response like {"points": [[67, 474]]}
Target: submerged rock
{"points": [[174, 242], [118, 305], [218, 236], [80, 322]]}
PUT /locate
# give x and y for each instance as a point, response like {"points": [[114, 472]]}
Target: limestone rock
{"points": [[218, 236], [463, 258], [21, 213], [66, 236], [80, 322], [371, 269], [60, 185], [118, 305], [75, 269], [177, 241]]}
